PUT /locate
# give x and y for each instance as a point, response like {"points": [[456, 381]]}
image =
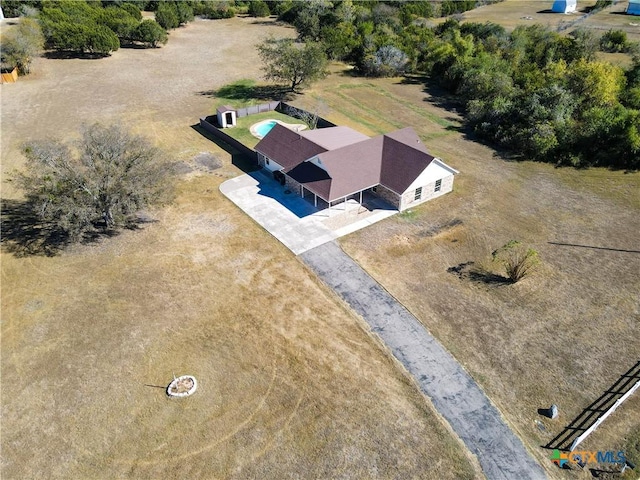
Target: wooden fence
{"points": [[284, 108], [253, 109], [207, 124], [299, 113]]}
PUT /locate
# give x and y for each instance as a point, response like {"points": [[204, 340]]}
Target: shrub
{"points": [[518, 260], [388, 61], [614, 41], [167, 15], [258, 8], [150, 33]]}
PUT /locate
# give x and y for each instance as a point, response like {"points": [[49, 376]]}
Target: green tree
{"points": [[21, 45], [294, 64], [258, 8], [585, 44], [184, 11], [119, 21], [101, 40], [132, 9], [115, 175], [15, 8], [150, 33], [75, 26], [310, 16], [614, 41], [167, 15], [517, 259], [596, 83], [340, 40]]}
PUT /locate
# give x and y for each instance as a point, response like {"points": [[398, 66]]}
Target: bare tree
{"points": [[100, 185], [310, 118]]}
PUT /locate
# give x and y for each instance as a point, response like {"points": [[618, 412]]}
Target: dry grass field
{"points": [[290, 383], [291, 386], [512, 13], [562, 336]]}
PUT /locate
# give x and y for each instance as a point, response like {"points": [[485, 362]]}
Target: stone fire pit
{"points": [[182, 386]]}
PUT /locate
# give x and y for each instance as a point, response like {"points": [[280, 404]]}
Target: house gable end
{"points": [[402, 163]]}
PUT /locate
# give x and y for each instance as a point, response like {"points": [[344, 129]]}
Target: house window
{"points": [[418, 193], [374, 189], [438, 185], [266, 160]]}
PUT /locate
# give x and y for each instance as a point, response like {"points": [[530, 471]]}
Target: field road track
{"points": [[451, 389]]}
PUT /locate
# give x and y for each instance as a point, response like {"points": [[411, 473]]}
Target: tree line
{"points": [[542, 95]]}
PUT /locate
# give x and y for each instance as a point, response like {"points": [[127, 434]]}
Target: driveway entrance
{"points": [[294, 220]]}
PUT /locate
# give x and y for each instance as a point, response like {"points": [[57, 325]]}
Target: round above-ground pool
{"points": [[261, 129]]}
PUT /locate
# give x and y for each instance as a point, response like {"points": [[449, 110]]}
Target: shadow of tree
{"points": [[243, 92], [468, 271], [65, 55], [25, 234]]}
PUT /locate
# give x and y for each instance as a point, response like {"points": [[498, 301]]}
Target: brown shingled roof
{"points": [[393, 160], [354, 167], [404, 157], [312, 177], [334, 137], [225, 108], [287, 147]]}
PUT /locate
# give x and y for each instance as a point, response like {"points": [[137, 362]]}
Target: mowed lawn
{"points": [[562, 336], [291, 385]]}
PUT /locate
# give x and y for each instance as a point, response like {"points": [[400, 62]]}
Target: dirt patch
{"points": [[207, 162]]}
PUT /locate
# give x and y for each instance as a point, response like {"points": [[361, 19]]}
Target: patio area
{"points": [[294, 220]]}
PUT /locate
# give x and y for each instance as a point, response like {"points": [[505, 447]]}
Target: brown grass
{"points": [[563, 335], [512, 13], [290, 383]]}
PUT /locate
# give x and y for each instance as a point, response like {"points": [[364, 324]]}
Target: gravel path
{"points": [[453, 392]]}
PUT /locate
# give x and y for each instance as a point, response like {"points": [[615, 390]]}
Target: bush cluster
{"points": [[90, 27], [542, 95]]}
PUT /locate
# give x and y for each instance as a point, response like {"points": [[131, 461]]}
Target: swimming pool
{"points": [[263, 128], [260, 129]]}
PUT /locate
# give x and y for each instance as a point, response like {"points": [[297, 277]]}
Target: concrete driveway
{"points": [[295, 221]]}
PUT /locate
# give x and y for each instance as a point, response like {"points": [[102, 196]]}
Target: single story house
{"points": [[337, 163]]}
